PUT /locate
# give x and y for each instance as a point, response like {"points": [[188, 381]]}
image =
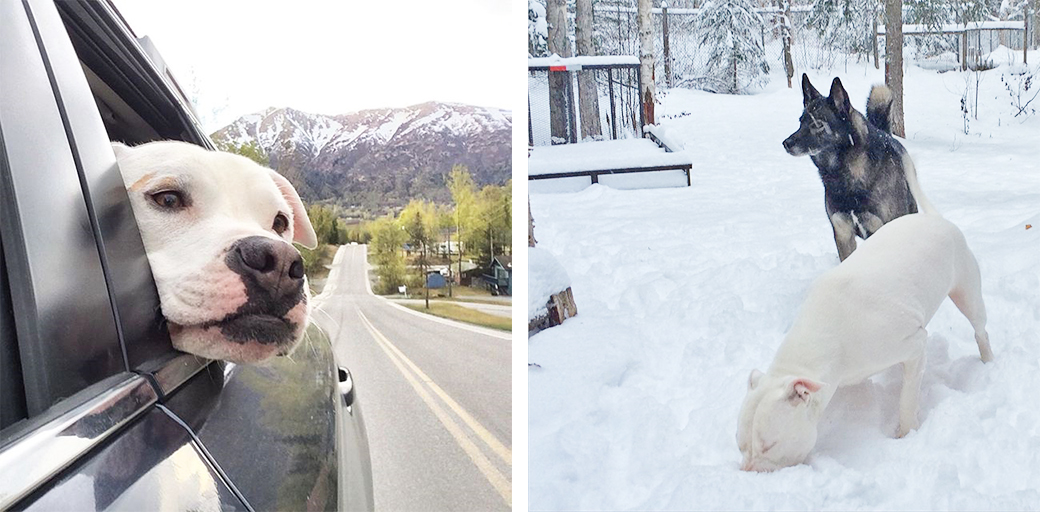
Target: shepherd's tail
{"points": [[923, 204], [879, 108]]}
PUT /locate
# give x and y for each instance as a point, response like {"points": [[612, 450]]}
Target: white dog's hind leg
{"points": [[967, 296], [909, 396]]}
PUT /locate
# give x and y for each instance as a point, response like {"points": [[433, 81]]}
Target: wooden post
{"points": [[572, 108], [613, 110], [667, 51], [964, 50], [530, 127], [1025, 34]]}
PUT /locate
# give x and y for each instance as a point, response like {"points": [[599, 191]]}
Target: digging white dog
{"points": [[218, 230], [867, 314]]}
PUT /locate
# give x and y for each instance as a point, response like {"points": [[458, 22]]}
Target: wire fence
{"points": [[616, 92]]}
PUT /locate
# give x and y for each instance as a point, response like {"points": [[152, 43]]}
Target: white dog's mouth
{"points": [[241, 338], [258, 328]]}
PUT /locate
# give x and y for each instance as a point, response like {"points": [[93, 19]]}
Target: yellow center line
{"points": [[493, 476], [489, 439]]}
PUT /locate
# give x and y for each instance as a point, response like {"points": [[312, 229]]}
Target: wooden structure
{"points": [[596, 159], [971, 37], [499, 278]]}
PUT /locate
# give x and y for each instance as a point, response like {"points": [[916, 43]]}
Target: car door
{"points": [[83, 338]]}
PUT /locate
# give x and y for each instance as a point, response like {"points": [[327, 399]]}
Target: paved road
{"points": [[436, 396], [490, 309]]}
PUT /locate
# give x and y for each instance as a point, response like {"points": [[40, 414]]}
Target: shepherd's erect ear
{"points": [[753, 379], [303, 232], [802, 389], [809, 92], [839, 97]]}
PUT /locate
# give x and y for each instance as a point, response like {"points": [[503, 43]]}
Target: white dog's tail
{"points": [[923, 204]]}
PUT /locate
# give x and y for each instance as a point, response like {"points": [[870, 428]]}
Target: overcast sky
{"points": [[333, 56]]}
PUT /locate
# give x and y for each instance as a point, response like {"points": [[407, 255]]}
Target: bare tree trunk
{"points": [[1035, 39], [458, 234], [1025, 34], [646, 60], [785, 34], [530, 226], [559, 102], [894, 61], [588, 98], [873, 26]]}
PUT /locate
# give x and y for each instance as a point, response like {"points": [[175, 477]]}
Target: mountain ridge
{"points": [[375, 160]]}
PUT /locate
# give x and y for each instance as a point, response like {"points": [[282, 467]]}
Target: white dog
{"points": [[218, 230], [861, 317]]}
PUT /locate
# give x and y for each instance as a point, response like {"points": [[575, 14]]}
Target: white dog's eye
{"points": [[281, 223], [169, 199]]}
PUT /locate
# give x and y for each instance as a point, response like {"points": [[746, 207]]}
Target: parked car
{"points": [[97, 410]]}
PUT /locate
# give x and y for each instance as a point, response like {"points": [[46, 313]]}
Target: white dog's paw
{"points": [[906, 427]]}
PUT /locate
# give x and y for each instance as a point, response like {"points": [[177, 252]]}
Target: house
{"points": [[435, 279], [499, 277]]}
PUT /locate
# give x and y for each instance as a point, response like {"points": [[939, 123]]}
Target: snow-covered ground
{"points": [[683, 291]]}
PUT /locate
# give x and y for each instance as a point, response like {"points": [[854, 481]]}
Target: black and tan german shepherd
{"points": [[868, 177]]}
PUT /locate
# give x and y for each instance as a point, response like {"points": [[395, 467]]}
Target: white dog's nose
{"points": [[274, 265]]}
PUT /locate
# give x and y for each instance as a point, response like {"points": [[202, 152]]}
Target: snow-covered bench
{"points": [[596, 160]]}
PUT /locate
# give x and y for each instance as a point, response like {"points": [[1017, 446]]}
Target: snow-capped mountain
{"points": [[382, 157]]}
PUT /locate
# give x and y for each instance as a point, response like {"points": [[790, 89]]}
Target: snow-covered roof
{"points": [[602, 155], [584, 61]]}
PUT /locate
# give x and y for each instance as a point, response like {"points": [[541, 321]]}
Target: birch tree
{"points": [[646, 60]]}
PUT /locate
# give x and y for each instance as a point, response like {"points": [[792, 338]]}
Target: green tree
{"points": [[419, 220], [492, 230], [463, 195], [387, 239]]}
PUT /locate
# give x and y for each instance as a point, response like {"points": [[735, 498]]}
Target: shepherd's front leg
{"points": [[844, 233]]}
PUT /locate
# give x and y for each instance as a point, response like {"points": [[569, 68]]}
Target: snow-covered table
{"points": [[594, 159]]}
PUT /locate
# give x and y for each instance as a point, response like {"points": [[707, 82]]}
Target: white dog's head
{"points": [[777, 423], [218, 230]]}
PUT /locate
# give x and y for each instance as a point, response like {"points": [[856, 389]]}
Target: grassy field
{"points": [[463, 314]]}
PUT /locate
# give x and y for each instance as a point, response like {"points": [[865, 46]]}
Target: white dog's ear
{"points": [[303, 232], [120, 149], [802, 389], [753, 379]]}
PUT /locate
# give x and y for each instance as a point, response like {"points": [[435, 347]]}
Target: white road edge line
{"points": [[493, 476], [452, 323]]}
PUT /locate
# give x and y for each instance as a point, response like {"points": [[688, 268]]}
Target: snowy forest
{"points": [[729, 45]]}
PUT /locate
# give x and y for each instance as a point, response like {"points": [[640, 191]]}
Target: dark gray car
{"points": [[97, 410]]}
